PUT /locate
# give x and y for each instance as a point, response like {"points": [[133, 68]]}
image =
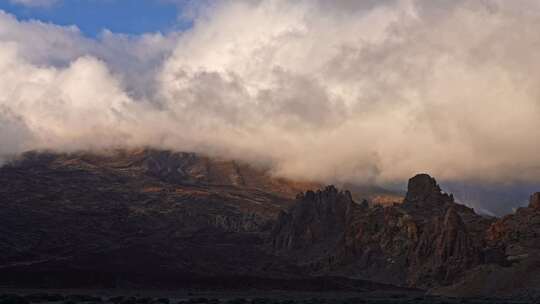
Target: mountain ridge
{"points": [[149, 215]]}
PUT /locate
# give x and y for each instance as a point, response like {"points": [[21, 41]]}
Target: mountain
{"points": [[429, 241], [157, 218], [139, 217]]}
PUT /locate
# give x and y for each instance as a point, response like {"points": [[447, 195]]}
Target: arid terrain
{"points": [[157, 220]]}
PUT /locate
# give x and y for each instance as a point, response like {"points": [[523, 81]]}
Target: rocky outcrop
{"points": [[445, 250], [424, 192], [522, 227], [427, 241], [513, 246], [534, 202], [318, 217]]}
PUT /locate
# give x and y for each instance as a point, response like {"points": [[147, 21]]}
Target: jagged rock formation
{"points": [[317, 216], [427, 241], [517, 240]]}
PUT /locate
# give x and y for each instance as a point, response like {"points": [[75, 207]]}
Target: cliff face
{"points": [[429, 240], [318, 218], [514, 241]]}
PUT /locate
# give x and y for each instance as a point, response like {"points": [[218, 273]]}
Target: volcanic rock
{"points": [[424, 192], [429, 240], [534, 201], [315, 223]]}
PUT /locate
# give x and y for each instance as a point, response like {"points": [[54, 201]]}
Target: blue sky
{"points": [[92, 16]]}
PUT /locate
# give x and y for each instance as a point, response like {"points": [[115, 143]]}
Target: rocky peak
{"points": [[317, 217], [534, 201], [423, 190]]}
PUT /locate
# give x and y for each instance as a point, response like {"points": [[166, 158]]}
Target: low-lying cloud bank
{"points": [[332, 90]]}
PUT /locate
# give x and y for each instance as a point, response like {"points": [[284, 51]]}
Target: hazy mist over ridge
{"points": [[363, 91]]}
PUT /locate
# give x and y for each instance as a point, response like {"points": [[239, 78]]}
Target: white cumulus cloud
{"points": [[327, 90]]}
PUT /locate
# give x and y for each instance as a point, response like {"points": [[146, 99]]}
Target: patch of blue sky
{"points": [[92, 17]]}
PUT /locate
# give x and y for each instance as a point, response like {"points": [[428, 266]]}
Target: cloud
{"points": [[370, 91], [14, 134], [389, 89], [35, 3]]}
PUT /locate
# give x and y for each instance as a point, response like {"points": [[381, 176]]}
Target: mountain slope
{"points": [[144, 212], [138, 217]]}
